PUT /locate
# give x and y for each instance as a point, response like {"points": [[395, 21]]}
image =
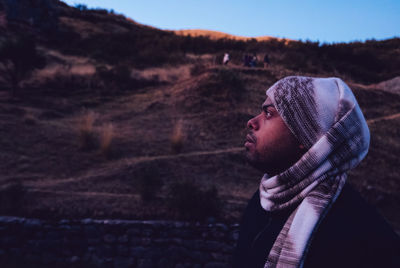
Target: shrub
{"points": [[18, 59], [81, 7], [64, 84], [177, 138], [115, 78], [87, 137], [193, 203], [106, 137], [120, 78], [224, 84], [30, 119]]}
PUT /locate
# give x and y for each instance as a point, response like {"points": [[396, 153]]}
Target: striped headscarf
{"points": [[325, 117]]}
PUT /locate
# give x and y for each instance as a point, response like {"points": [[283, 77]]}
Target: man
{"points": [[310, 132], [226, 59]]}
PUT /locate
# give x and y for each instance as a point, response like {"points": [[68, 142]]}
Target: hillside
{"points": [[215, 35], [392, 85], [124, 119]]}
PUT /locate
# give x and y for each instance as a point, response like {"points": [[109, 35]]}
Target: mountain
{"points": [[124, 119]]}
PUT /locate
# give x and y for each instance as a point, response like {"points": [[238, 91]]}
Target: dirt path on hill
{"points": [[387, 117], [113, 167]]}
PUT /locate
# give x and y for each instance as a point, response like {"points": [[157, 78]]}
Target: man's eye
{"points": [[267, 113]]}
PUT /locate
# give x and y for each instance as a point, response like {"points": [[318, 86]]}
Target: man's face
{"points": [[270, 146]]}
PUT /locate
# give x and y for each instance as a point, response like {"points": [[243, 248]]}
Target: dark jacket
{"points": [[353, 234]]}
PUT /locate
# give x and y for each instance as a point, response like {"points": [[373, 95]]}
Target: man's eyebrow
{"points": [[264, 106]]}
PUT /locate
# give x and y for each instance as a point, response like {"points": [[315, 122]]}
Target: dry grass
{"points": [[106, 137], [86, 133], [120, 188], [163, 74], [177, 137], [91, 138], [214, 103], [215, 35], [30, 119]]}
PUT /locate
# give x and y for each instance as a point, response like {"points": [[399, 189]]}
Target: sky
{"points": [[315, 20]]}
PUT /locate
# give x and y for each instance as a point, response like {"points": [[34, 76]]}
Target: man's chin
{"points": [[254, 162]]}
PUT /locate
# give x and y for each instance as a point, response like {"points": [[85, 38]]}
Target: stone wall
{"points": [[114, 243]]}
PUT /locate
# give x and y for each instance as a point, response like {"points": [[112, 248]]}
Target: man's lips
{"points": [[250, 139]]}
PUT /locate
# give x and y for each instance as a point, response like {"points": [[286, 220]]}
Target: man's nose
{"points": [[252, 123]]}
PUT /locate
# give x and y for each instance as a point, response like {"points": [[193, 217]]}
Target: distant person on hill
{"points": [[253, 60], [226, 59], [266, 61], [309, 134]]}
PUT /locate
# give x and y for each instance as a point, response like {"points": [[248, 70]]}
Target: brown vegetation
{"points": [[215, 35], [147, 80], [177, 137], [106, 137], [86, 133]]}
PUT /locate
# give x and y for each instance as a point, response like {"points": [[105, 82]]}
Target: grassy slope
{"points": [[46, 174], [63, 181]]}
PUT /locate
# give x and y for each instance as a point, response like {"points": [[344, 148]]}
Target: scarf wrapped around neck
{"points": [[325, 117]]}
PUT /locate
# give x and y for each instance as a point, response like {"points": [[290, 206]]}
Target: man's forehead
{"points": [[267, 102]]}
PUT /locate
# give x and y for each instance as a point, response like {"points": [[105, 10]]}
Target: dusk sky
{"points": [[316, 20]]}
